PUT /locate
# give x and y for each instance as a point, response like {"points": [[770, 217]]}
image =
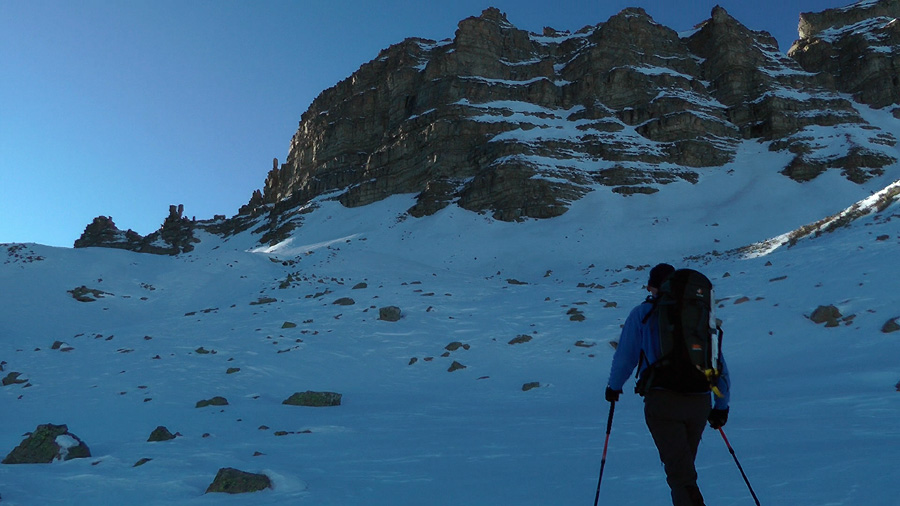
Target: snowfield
{"points": [[813, 414]]}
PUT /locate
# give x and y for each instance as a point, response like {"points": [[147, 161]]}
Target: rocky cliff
{"points": [[858, 46], [519, 125]]}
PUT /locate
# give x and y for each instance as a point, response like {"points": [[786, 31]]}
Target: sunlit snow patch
{"points": [[874, 203], [286, 248]]}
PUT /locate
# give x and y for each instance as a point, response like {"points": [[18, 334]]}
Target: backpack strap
{"points": [[652, 300], [642, 383], [643, 360]]}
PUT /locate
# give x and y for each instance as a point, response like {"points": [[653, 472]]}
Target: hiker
{"points": [[676, 410]]}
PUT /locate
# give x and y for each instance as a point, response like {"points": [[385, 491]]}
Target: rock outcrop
{"points": [[175, 236], [103, 232]]}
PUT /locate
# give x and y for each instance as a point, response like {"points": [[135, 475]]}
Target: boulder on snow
{"points": [[455, 345], [235, 481], [826, 314], [215, 401], [522, 338], [389, 313], [575, 315], [455, 366], [85, 294], [314, 399], [160, 433], [47, 443], [891, 326], [13, 379]]}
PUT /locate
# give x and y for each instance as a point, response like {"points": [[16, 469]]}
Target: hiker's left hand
{"points": [[612, 395], [717, 418]]}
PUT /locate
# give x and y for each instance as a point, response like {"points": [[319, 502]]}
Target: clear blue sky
{"points": [[122, 107]]}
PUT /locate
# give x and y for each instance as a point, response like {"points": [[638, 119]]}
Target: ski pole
{"points": [[741, 469], [612, 409]]}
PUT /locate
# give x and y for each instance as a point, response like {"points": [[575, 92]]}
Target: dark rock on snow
{"points": [[314, 399], [160, 433], [141, 462], [13, 378], [890, 326], [522, 338], [215, 401], [234, 481], [389, 313], [455, 366], [826, 314], [47, 443]]}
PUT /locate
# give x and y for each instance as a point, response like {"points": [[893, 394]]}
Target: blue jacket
{"points": [[637, 336]]}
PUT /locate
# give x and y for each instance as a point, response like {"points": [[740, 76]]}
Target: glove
{"points": [[612, 395], [717, 418]]}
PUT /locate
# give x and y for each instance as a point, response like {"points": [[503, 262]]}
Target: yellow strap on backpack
{"points": [[710, 374]]}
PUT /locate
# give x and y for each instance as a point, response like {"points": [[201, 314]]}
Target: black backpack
{"points": [[690, 338]]}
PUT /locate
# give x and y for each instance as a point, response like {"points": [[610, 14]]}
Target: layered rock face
{"points": [[859, 46], [520, 124]]}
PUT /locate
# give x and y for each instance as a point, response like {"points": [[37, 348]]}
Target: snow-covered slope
{"points": [[813, 408]]}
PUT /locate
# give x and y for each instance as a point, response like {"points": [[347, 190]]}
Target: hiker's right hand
{"points": [[612, 395]]}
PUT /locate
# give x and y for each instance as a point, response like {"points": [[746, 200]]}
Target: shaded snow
{"points": [[810, 405]]}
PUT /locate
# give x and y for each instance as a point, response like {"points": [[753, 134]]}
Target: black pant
{"points": [[676, 422]]}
